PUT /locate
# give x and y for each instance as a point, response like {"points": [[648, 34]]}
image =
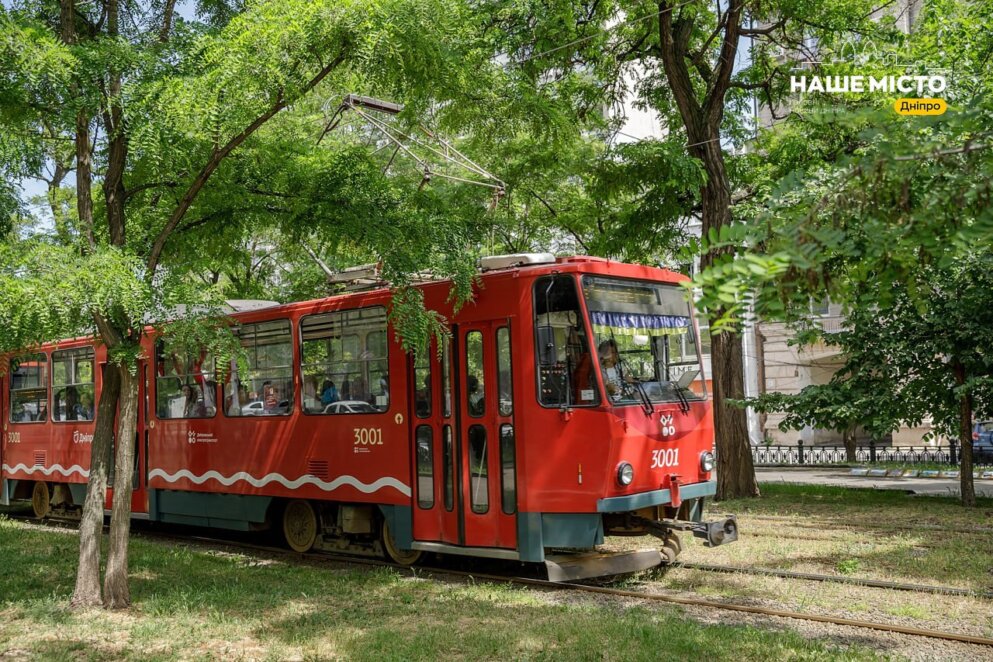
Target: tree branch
{"points": [[218, 156], [167, 15], [756, 32], [714, 103]]}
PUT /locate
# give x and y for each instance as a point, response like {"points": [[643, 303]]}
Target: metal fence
{"points": [[805, 454]]}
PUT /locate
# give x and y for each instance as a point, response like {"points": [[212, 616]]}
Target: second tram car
{"points": [[568, 405]]}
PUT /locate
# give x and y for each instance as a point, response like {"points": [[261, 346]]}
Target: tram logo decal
{"points": [[227, 481], [55, 468]]}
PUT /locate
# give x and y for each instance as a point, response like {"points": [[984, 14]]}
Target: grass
{"points": [[865, 533], [192, 603], [884, 534]]}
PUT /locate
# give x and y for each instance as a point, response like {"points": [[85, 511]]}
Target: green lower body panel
{"points": [[400, 519], [537, 532], [223, 511]]}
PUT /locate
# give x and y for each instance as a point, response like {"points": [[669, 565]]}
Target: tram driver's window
{"points": [[562, 349], [345, 362], [29, 389], [266, 389], [72, 385], [185, 385]]}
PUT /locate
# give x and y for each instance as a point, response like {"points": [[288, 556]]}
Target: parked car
{"points": [[982, 442], [350, 407], [257, 408]]}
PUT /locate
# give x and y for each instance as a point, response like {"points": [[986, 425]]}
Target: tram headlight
{"points": [[625, 473], [707, 461]]}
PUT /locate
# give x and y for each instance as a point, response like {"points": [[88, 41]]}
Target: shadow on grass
{"points": [[193, 603]]}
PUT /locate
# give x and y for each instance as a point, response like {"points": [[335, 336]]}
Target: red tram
{"points": [[569, 405]]}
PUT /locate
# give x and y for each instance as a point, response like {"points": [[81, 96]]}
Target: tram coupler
{"points": [[716, 533]]}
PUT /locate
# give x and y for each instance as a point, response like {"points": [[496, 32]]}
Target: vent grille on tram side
{"points": [[318, 469]]}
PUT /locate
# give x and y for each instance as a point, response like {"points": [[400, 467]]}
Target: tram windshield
{"points": [[644, 340]]}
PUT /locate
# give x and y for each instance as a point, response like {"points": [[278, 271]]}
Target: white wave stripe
{"points": [[228, 481], [55, 468]]}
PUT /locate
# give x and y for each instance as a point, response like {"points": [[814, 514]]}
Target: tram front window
{"points": [[565, 364], [644, 339]]}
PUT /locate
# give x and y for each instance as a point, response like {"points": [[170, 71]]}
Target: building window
{"points": [[29, 389], [72, 385], [345, 362], [184, 384], [266, 389]]}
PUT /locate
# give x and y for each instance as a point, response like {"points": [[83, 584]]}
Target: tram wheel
{"points": [[394, 553], [299, 525], [41, 502], [671, 548]]}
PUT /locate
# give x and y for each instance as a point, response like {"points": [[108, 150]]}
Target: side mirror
{"points": [[546, 346]]}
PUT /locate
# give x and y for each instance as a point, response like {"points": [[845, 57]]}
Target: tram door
{"points": [[486, 453]]}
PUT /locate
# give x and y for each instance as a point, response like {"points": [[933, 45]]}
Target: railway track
{"points": [[325, 557], [836, 579], [977, 530]]}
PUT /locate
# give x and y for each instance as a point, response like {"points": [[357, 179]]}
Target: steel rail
{"points": [[326, 557], [836, 579], [979, 530]]}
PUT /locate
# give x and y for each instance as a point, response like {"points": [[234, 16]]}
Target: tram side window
{"points": [[446, 378], [72, 385], [29, 388], [184, 383], [422, 385], [475, 381], [562, 349], [267, 388], [504, 382], [345, 362], [425, 467]]}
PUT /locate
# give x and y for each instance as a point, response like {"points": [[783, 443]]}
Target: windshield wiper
{"points": [[646, 402], [684, 404]]}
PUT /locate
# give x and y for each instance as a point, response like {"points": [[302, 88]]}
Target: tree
{"points": [[157, 107], [681, 60], [896, 228]]}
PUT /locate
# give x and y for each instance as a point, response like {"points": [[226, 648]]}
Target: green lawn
{"points": [[193, 603], [884, 534]]}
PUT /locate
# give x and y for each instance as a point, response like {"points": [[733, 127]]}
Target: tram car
{"points": [[567, 405]]}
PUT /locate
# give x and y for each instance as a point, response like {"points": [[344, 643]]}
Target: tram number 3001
{"points": [[668, 457], [368, 436]]}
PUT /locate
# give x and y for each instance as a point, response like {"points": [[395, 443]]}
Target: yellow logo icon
{"points": [[920, 106]]}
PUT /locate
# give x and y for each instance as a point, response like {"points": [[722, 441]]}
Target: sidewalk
{"points": [[841, 478]]}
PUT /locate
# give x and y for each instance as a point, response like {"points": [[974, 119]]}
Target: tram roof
{"points": [[249, 309]]}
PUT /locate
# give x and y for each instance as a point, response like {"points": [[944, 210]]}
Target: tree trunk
{"points": [[736, 473], [84, 177], [965, 438], [115, 587], [848, 438], [87, 592]]}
